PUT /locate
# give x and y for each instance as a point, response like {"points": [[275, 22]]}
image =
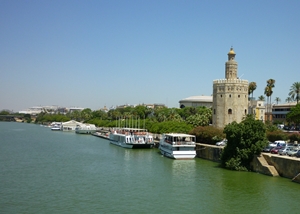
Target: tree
{"points": [[288, 99], [277, 100], [251, 89], [294, 115], [4, 112], [295, 91], [268, 93], [86, 114], [245, 140], [261, 98]]}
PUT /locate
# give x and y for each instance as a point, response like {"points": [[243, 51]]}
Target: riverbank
{"points": [[266, 163]]}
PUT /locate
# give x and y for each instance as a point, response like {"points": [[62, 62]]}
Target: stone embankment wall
{"points": [[267, 164], [288, 167]]}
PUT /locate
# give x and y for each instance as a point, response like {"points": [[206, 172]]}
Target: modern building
{"points": [[195, 101], [279, 111], [32, 110], [230, 95]]}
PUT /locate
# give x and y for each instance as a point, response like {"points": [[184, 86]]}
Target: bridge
{"points": [[11, 117]]}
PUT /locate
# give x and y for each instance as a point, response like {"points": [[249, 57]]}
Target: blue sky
{"points": [[98, 53]]}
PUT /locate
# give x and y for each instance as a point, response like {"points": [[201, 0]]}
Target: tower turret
{"points": [[231, 66]]}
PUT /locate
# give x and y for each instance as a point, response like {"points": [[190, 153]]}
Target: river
{"points": [[44, 171]]}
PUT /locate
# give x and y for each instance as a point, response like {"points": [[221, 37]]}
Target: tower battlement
{"points": [[230, 81]]}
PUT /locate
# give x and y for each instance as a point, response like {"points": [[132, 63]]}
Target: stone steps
{"points": [[268, 168]]}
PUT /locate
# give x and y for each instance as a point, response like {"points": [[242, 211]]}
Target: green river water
{"points": [[44, 171]]}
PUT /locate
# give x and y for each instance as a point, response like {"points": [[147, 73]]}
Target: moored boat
{"points": [[178, 146], [55, 126], [101, 135], [131, 138], [85, 129]]}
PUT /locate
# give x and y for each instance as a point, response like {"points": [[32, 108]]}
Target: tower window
{"points": [[245, 111], [230, 111], [214, 111], [238, 96], [229, 95], [221, 95]]}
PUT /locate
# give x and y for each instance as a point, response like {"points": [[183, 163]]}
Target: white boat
{"points": [[55, 126], [178, 146], [131, 138], [85, 129]]}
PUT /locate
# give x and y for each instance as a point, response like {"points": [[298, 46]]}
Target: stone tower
{"points": [[230, 95]]}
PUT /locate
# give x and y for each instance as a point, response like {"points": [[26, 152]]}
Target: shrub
{"points": [[245, 140], [294, 137], [208, 134], [276, 135]]}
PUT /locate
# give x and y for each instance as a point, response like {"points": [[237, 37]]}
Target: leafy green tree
{"points": [[245, 140], [295, 91], [141, 111], [208, 134], [100, 114], [4, 112], [169, 127], [294, 114], [114, 114], [199, 120], [86, 114]]}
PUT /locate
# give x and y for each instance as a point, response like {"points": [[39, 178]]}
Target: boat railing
{"points": [[183, 143]]}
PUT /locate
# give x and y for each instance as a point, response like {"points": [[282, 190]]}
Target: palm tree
{"points": [[295, 91], [277, 100], [288, 99], [251, 89], [268, 93], [261, 98]]}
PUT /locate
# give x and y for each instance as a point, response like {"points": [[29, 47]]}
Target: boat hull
{"points": [[85, 131], [177, 154], [132, 145]]}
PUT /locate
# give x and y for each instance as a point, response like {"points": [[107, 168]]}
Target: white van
{"points": [[280, 143]]}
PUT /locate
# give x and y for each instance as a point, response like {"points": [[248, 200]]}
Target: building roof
{"points": [[291, 104], [198, 99]]}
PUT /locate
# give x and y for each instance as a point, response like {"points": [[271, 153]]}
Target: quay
{"points": [[266, 163]]}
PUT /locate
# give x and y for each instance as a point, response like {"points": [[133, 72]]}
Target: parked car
{"points": [[275, 150], [292, 152], [297, 154], [222, 143], [268, 148], [285, 150]]}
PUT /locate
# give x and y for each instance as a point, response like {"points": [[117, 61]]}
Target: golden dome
{"points": [[231, 51]]}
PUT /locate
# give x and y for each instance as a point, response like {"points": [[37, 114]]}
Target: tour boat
{"points": [[178, 146], [85, 129], [131, 138]]}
